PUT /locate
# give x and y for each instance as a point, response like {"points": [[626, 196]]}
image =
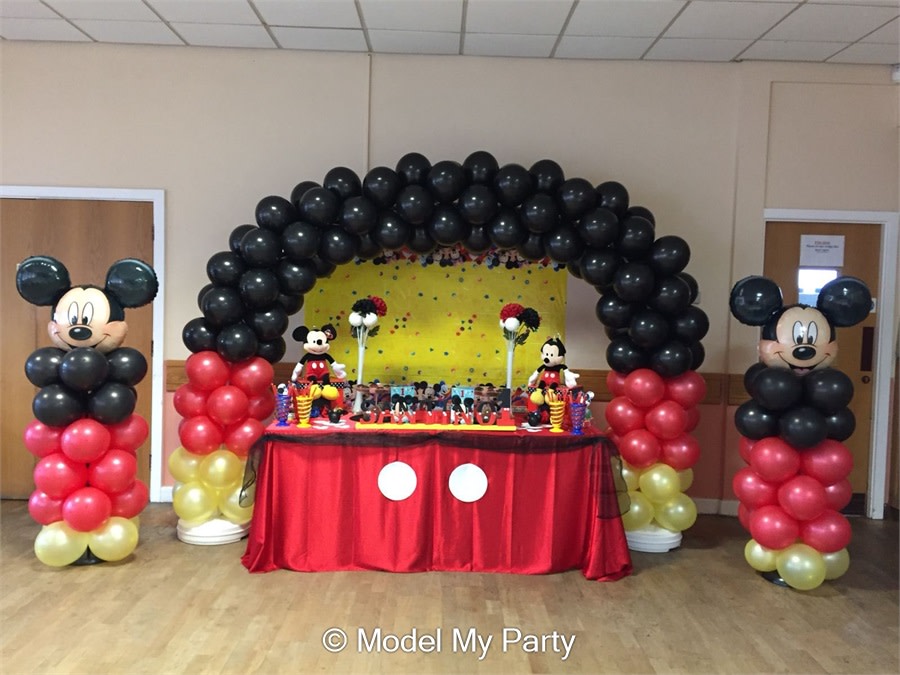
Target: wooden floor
{"points": [[177, 608]]}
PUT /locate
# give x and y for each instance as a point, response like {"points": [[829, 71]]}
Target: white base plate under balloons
{"points": [[653, 539], [213, 532]]}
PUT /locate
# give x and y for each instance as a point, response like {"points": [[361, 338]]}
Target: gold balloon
{"points": [[759, 557], [183, 465], [659, 483], [58, 545], [329, 392], [687, 479], [220, 468], [677, 513], [801, 567], [194, 502], [631, 476], [115, 540], [836, 564], [231, 508], [640, 514]]}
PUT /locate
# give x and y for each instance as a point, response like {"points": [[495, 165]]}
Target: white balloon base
{"points": [[652, 539], [211, 533]]}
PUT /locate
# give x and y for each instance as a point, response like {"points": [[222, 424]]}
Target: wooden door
{"points": [[87, 237], [856, 344]]}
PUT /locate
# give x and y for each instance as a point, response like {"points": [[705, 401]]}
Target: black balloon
{"points": [[539, 213], [112, 403], [207, 287], [481, 167], [599, 227], [513, 184], [392, 232], [692, 284], [382, 185], [754, 421], [698, 355], [671, 360], [669, 255], [648, 329], [413, 168], [574, 268], [751, 373], [291, 304], [802, 427], [845, 301], [237, 234], [319, 206], [576, 197], [275, 213], [415, 204], [827, 389], [337, 246], [221, 306], [300, 241], [598, 267], [126, 365], [83, 369], [840, 425], [358, 215], [691, 325], [198, 335], [505, 230], [754, 299], [548, 176], [269, 323], [477, 204], [39, 278], [478, 240], [236, 342], [533, 247], [225, 268], [57, 406], [301, 189], [343, 182], [642, 212], [563, 244], [324, 268], [272, 350], [258, 288], [421, 242], [634, 281], [447, 226], [776, 388], [261, 248], [446, 180], [635, 237], [623, 356], [672, 296], [296, 278], [42, 366], [613, 311], [613, 196], [368, 247]]}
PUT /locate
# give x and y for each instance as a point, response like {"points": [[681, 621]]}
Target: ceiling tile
{"points": [[109, 10], [864, 52], [224, 35], [832, 23], [413, 15], [583, 47], [884, 3], [536, 17], [129, 32], [320, 39], [622, 18], [25, 9], [309, 13], [696, 49], [55, 30], [220, 11], [889, 34], [414, 42], [727, 19], [487, 44], [780, 50]]}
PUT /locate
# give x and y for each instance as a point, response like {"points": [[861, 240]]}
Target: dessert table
{"points": [[358, 497]]}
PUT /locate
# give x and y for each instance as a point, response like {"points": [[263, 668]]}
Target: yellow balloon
{"points": [[220, 468], [687, 479], [631, 476], [183, 465], [115, 540], [329, 392], [659, 483], [194, 502], [759, 557], [537, 397], [231, 508], [801, 567], [58, 545], [640, 514], [836, 564], [677, 513]]}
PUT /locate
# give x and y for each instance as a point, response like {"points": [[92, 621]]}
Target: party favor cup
{"points": [[557, 413], [304, 406], [282, 409], [577, 411]]}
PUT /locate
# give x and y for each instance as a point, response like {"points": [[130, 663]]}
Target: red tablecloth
{"points": [[551, 503]]}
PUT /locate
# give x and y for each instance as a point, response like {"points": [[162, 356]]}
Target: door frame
{"points": [[158, 199], [876, 494]]}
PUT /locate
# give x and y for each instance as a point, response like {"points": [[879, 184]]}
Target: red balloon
{"points": [[41, 440], [774, 460], [227, 405], [615, 382], [639, 448], [190, 401], [744, 515], [773, 528], [828, 533], [59, 476], [129, 434], [752, 490], [839, 494], [241, 437], [200, 435], [828, 462], [692, 419], [85, 440], [745, 445], [802, 497], [644, 387], [262, 406], [623, 416], [206, 370], [44, 508], [680, 453], [666, 420], [254, 375], [687, 389], [132, 501], [86, 509], [114, 472]]}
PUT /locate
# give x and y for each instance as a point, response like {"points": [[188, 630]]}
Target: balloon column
{"points": [[793, 427], [87, 495]]}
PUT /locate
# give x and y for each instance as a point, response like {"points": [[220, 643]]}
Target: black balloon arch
{"points": [[646, 299]]}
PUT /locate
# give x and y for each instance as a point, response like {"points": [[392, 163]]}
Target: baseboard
{"points": [[717, 507], [165, 494]]}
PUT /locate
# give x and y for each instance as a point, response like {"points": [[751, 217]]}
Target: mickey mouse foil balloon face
{"points": [[86, 315], [799, 337]]}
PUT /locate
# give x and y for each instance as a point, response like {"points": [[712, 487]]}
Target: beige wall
{"points": [[706, 147]]}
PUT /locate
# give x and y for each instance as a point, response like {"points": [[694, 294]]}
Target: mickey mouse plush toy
{"points": [[551, 374], [315, 364]]}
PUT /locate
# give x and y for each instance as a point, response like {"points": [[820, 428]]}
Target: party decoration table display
{"points": [[363, 319], [793, 427], [87, 495], [517, 323]]}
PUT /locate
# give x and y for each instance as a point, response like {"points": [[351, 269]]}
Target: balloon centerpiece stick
{"points": [[363, 317], [517, 323]]}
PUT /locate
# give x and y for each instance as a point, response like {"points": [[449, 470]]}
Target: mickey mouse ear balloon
{"points": [[754, 299]]}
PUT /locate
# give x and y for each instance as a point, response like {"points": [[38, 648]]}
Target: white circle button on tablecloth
{"points": [[397, 481], [468, 483]]}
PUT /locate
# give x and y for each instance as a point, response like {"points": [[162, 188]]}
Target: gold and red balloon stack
{"points": [[651, 419], [223, 406]]}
